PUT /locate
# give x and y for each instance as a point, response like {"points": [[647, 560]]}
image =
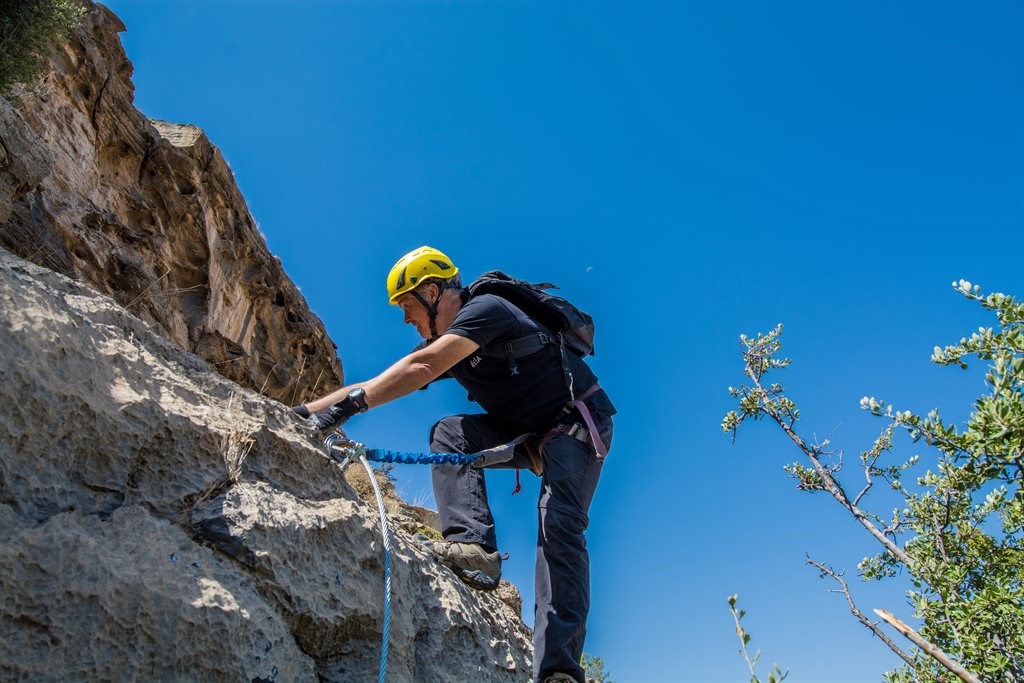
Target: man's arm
{"points": [[408, 374]]}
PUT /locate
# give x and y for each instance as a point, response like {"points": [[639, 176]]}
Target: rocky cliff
{"points": [[148, 212], [162, 522], [161, 519]]}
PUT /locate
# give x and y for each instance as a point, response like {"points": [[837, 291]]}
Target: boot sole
{"points": [[471, 577], [475, 578]]}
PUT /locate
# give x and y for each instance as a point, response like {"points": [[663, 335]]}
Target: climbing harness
{"points": [[585, 431]]}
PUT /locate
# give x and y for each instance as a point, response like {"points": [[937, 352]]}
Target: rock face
{"points": [[161, 519], [160, 522], [148, 212]]}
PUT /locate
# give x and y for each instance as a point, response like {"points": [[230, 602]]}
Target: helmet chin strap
{"points": [[431, 310]]}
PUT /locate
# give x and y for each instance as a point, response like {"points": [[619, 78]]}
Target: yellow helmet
{"points": [[416, 267]]}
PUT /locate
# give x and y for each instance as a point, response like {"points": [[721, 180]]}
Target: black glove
{"points": [[322, 420], [339, 413]]}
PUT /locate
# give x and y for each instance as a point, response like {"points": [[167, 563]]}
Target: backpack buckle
{"points": [[510, 354]]}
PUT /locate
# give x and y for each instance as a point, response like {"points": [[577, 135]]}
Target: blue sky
{"points": [[687, 172]]}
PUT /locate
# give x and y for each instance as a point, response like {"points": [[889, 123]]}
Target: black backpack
{"points": [[571, 327]]}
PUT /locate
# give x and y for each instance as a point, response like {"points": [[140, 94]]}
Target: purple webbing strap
{"points": [[595, 438]]}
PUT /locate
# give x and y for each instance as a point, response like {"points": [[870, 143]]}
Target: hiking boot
{"points": [[559, 678], [470, 562]]}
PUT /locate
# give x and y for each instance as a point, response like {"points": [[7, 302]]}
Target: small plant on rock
{"points": [[776, 675], [26, 28], [593, 669]]}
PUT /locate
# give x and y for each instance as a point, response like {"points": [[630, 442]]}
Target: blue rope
{"points": [[406, 458]]}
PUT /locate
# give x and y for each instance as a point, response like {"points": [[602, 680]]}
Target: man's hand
{"points": [[339, 413], [321, 421], [324, 420]]}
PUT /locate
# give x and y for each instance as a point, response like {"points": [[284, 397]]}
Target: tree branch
{"points": [[1017, 672], [929, 649], [742, 635], [873, 627], [831, 485], [867, 486]]}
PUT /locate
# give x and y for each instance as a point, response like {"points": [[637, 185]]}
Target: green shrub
{"points": [[958, 537], [26, 28], [593, 669]]}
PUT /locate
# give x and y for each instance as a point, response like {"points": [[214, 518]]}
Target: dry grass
{"points": [[266, 381], [316, 384], [23, 241], [147, 288], [235, 448], [298, 380]]}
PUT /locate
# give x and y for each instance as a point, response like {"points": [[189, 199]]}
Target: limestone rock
{"points": [[88, 598], [149, 213], [162, 523]]}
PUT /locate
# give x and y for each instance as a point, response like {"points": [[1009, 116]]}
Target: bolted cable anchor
{"points": [[342, 449]]}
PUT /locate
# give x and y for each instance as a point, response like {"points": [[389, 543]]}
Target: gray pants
{"points": [[571, 472]]}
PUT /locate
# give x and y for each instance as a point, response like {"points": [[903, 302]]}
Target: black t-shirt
{"points": [[531, 399]]}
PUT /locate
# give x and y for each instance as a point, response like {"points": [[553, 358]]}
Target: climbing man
{"points": [[540, 399]]}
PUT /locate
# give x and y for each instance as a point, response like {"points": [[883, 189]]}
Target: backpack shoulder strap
{"points": [[547, 310], [518, 348]]}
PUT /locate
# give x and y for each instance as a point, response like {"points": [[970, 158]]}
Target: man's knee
{"points": [[562, 524], [446, 435]]}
